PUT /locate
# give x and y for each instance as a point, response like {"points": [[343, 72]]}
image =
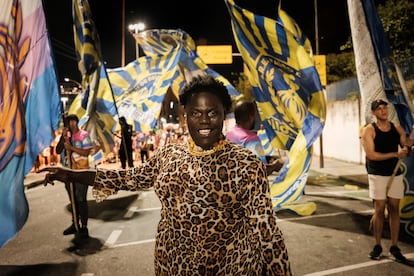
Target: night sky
{"points": [[207, 23]]}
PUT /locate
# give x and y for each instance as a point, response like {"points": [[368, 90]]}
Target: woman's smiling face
{"points": [[205, 116]]}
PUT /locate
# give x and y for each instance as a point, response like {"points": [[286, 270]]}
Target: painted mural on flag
{"points": [[378, 78], [30, 108], [287, 90]]}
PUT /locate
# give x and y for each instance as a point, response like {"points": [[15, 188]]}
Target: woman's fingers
{"points": [[49, 169], [48, 179]]}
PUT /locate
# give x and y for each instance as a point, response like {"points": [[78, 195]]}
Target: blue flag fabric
{"points": [[378, 78], [287, 90], [30, 107], [386, 66]]}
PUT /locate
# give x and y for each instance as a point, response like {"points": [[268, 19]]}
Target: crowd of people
{"points": [[139, 147]]}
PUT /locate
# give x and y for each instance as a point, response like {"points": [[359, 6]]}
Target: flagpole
{"points": [[110, 86], [321, 163]]}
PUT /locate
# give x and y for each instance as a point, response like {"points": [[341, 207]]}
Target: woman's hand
{"points": [[55, 173], [275, 166], [84, 176]]}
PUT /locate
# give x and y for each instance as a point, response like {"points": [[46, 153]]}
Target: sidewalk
{"points": [[352, 172]]}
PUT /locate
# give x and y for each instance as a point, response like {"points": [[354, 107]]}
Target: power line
{"points": [[63, 49]]}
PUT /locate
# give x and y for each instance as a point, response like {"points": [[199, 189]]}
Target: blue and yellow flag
{"points": [[287, 90], [30, 107], [95, 107], [267, 147], [161, 41], [378, 78], [140, 88]]}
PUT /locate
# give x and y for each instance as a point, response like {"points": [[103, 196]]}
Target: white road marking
{"points": [[346, 194], [113, 238], [135, 209], [326, 215], [131, 212], [355, 266], [149, 209], [133, 243]]}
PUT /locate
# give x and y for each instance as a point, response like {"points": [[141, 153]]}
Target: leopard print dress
{"points": [[216, 214]]}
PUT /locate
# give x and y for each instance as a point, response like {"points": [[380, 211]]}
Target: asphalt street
{"points": [[334, 240]]}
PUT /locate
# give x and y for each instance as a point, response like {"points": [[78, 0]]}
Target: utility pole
{"points": [[123, 34]]}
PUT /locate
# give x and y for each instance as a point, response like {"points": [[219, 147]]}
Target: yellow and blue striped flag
{"points": [[160, 42], [267, 147], [287, 90], [95, 107], [140, 88]]}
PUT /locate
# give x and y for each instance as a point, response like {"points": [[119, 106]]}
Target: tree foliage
{"points": [[397, 18], [340, 66]]}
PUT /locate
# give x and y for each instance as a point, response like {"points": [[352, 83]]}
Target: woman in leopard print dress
{"points": [[216, 215]]}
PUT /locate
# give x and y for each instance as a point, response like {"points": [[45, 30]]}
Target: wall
{"points": [[340, 137]]}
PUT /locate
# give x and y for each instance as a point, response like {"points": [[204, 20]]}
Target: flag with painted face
{"points": [[287, 89], [30, 107], [95, 107], [378, 78]]}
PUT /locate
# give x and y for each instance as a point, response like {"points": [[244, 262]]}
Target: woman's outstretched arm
{"points": [[85, 177]]}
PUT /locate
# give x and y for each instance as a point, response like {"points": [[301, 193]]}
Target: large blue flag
{"points": [[287, 90], [378, 78], [30, 107]]}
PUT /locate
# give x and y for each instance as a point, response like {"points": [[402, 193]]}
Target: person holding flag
{"points": [[385, 144], [77, 144]]}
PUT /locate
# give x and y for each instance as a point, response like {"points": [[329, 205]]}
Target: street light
{"points": [[71, 80], [135, 29], [69, 95]]}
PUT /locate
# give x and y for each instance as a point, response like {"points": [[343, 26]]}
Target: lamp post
{"points": [[69, 95], [74, 81], [135, 29]]}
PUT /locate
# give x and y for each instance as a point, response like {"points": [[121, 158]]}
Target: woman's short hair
{"points": [[206, 83]]}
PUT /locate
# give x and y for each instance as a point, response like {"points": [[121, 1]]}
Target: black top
{"points": [[384, 142], [126, 132]]}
